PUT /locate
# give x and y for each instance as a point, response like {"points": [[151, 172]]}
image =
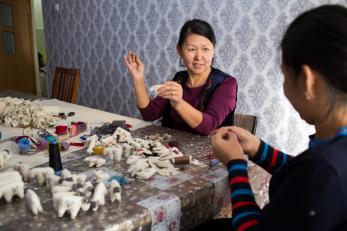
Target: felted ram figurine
{"points": [[11, 184], [5, 157], [41, 173], [33, 202], [94, 161]]}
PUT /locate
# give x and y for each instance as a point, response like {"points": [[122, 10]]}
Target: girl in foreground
{"points": [[309, 191]]}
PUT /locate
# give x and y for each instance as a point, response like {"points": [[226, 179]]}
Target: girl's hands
{"points": [[249, 142], [135, 66], [172, 91], [225, 146]]}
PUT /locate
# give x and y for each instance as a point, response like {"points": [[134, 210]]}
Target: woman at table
{"points": [[197, 100], [309, 191]]}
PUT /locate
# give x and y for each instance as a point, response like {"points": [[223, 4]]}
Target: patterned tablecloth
{"points": [[161, 203]]}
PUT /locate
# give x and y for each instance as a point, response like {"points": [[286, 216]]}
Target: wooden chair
{"points": [[65, 84], [248, 122]]}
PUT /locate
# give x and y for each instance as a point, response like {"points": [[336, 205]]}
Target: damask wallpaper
{"points": [[94, 35]]}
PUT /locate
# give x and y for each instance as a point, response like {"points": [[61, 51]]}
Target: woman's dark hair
{"points": [[196, 26], [318, 38]]}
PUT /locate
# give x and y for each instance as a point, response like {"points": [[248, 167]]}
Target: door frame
{"points": [[24, 50], [35, 51]]}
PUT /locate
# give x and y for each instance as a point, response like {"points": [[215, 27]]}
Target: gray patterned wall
{"points": [[94, 35]]}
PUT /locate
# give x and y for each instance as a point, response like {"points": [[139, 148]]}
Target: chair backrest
{"points": [[248, 122], [65, 84]]}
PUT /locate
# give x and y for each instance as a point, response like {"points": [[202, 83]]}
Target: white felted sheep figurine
{"points": [[143, 143], [93, 140], [146, 173], [52, 180], [138, 166], [115, 191], [94, 161], [79, 179], [98, 198], [108, 141], [10, 176], [154, 88], [5, 157], [87, 187], [33, 202], [66, 174], [132, 159], [87, 192], [11, 189], [67, 202], [122, 136], [41, 173], [23, 169], [114, 153], [127, 150]]}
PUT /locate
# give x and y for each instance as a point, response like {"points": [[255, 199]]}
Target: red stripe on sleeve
{"points": [[274, 158], [272, 164], [238, 179], [247, 224], [242, 203]]}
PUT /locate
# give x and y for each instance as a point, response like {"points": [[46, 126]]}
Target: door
{"points": [[17, 65]]}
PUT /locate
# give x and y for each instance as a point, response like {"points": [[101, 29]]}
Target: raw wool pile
{"points": [[20, 113], [145, 157]]}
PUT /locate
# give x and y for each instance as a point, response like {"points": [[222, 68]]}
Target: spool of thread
{"points": [[64, 146], [51, 139], [54, 157], [42, 144], [77, 144], [98, 150], [73, 129], [24, 145], [182, 159], [61, 130], [81, 127]]}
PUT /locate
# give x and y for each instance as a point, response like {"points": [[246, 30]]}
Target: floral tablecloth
{"points": [[162, 203]]}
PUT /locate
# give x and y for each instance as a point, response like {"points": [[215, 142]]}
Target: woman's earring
{"points": [[182, 64]]}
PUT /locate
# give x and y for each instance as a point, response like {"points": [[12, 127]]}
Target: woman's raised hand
{"points": [[135, 66]]}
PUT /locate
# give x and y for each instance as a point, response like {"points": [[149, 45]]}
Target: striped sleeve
{"points": [[245, 210], [270, 158]]}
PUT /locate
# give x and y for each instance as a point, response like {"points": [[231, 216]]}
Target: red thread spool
{"points": [[61, 129]]}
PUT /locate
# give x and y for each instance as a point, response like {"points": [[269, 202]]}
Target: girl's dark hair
{"points": [[318, 38], [196, 26]]}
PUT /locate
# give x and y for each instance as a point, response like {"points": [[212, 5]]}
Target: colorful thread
{"points": [[24, 145]]}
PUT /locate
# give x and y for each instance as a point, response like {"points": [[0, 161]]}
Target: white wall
{"points": [[38, 14]]}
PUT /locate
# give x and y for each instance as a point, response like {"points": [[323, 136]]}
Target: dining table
{"points": [[178, 202]]}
